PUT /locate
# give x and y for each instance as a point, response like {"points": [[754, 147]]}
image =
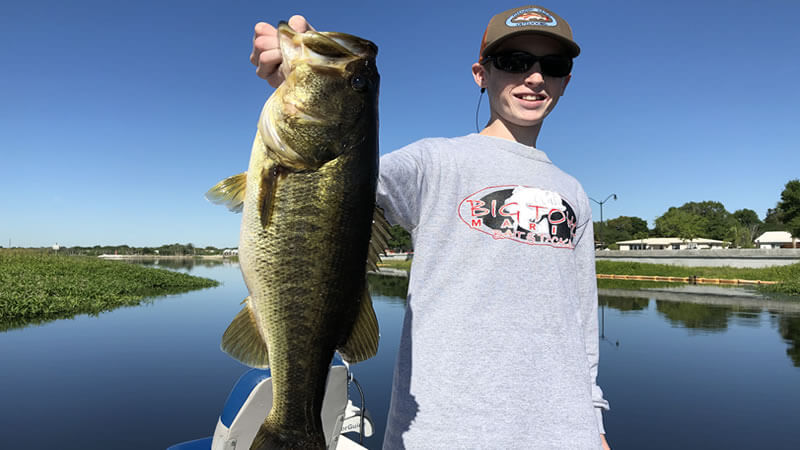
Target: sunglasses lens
{"points": [[515, 62], [519, 62], [556, 65]]}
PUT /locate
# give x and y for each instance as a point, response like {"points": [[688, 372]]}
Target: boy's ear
{"points": [[479, 74]]}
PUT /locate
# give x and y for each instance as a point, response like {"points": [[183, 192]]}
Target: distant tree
{"points": [[400, 239], [747, 228], [790, 201], [794, 229], [774, 215], [786, 210], [622, 228], [742, 237], [790, 206], [679, 223], [706, 219], [716, 222], [773, 221], [746, 217]]}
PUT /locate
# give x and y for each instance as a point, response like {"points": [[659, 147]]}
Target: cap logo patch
{"points": [[531, 17]]}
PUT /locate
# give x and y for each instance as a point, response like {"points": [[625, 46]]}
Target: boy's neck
{"points": [[523, 135]]}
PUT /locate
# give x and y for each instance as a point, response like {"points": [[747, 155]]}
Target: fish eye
{"points": [[358, 82]]}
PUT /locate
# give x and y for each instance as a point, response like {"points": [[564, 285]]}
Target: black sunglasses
{"points": [[517, 61]]}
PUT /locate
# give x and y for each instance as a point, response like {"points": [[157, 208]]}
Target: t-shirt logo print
{"points": [[520, 213]]}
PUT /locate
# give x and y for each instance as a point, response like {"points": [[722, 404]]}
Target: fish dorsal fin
{"points": [[243, 341], [362, 343], [229, 192], [379, 239]]}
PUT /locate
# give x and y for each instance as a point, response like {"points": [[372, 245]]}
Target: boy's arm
{"points": [[587, 290], [401, 185], [605, 443]]}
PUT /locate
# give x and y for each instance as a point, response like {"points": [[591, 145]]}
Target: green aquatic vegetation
{"points": [[36, 287], [788, 277], [395, 264]]}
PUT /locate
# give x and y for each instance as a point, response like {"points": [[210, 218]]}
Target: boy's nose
{"points": [[535, 77]]}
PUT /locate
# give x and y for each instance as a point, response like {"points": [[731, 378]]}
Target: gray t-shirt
{"points": [[499, 347]]}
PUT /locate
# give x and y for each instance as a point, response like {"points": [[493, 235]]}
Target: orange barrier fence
{"points": [[691, 280]]}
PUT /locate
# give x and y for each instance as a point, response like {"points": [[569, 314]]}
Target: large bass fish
{"points": [[308, 203]]}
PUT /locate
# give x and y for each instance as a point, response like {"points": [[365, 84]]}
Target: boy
{"points": [[499, 346]]}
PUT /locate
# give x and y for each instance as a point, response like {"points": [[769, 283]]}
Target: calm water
{"points": [[677, 374]]}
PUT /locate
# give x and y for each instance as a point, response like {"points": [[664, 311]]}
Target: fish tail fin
{"points": [[273, 436]]}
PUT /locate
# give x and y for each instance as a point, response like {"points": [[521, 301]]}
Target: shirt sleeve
{"points": [[587, 289], [400, 185]]}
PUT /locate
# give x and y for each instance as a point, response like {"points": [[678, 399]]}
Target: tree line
{"points": [[709, 219], [163, 250]]}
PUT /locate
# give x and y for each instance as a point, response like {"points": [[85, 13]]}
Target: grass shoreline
{"points": [[37, 288], [788, 277]]}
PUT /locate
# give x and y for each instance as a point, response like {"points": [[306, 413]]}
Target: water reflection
{"points": [[624, 304], [789, 328], [186, 264], [695, 316], [708, 368], [699, 318], [393, 288]]}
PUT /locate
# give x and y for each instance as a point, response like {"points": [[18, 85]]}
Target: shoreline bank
{"points": [[104, 256]]}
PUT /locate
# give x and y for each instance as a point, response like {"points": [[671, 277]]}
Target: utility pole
{"points": [[602, 224]]}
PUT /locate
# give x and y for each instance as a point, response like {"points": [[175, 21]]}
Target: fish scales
{"points": [[305, 275]]}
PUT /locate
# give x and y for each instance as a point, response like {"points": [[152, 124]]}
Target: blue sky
{"points": [[116, 117]]}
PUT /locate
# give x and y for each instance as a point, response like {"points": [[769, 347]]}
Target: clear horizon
{"points": [[117, 118]]}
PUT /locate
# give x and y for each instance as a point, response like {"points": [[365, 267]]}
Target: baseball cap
{"points": [[527, 20]]}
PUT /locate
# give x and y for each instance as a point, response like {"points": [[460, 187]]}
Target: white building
{"points": [[670, 244], [774, 239]]}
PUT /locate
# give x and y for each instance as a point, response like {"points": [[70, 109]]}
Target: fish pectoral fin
{"points": [[229, 192], [379, 239], [243, 341], [363, 341], [266, 192]]}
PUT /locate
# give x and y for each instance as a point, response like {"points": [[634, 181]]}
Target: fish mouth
{"points": [[330, 50]]}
